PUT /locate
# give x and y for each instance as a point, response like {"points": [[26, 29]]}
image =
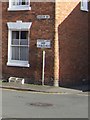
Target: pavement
{"points": [[45, 89]]}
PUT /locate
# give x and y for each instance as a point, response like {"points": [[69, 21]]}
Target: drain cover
{"points": [[39, 104]]}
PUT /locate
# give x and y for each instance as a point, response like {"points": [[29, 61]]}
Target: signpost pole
{"points": [[43, 44], [43, 67]]}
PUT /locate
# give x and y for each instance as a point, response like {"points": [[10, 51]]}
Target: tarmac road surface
{"points": [[16, 104]]}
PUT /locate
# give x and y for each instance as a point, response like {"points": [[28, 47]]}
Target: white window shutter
{"points": [[84, 5]]}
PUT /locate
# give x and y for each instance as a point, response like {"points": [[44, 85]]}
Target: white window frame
{"points": [[14, 26], [18, 7], [84, 5]]}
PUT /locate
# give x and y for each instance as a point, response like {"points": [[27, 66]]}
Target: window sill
{"points": [[18, 64], [85, 10], [19, 8]]}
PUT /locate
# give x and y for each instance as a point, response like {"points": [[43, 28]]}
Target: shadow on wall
{"points": [[73, 40]]}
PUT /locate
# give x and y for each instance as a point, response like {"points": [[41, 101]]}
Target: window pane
{"points": [[15, 34], [23, 2], [24, 35], [24, 42], [24, 53], [15, 38], [15, 42], [24, 38], [13, 2], [20, 2], [15, 53]]}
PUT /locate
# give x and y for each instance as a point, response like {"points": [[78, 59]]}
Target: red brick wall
{"points": [[43, 29], [73, 39]]}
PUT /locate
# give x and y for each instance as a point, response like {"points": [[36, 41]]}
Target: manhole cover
{"points": [[39, 104]]}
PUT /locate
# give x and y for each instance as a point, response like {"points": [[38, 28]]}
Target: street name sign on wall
{"points": [[43, 43], [43, 16]]}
